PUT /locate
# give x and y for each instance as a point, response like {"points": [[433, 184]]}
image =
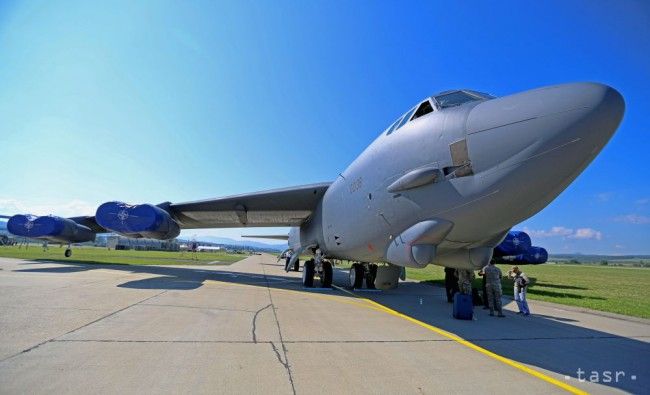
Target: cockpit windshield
{"points": [[443, 100], [456, 98]]}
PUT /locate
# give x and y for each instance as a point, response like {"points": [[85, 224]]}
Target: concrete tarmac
{"points": [[251, 328]]}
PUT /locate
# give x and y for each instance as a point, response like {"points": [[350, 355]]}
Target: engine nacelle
{"points": [[515, 243], [137, 221], [533, 256], [50, 227]]}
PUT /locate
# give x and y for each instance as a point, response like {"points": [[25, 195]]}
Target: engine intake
{"points": [[49, 227], [515, 243], [137, 221]]}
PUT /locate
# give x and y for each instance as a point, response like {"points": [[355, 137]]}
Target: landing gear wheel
{"points": [[308, 274], [67, 252], [326, 275], [371, 276], [296, 266], [356, 275]]}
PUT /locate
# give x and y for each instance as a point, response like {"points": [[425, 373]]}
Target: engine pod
{"points": [[140, 220], [49, 227], [516, 242], [22, 225]]}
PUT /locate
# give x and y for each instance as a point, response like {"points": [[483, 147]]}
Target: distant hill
{"points": [[588, 258]]}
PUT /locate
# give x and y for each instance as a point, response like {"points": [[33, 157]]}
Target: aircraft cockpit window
{"points": [[398, 124], [423, 109], [393, 126], [406, 118], [455, 98]]}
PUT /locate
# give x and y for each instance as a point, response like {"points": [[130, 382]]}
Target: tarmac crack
{"points": [[82, 326], [198, 307], [112, 314], [285, 364], [254, 326], [157, 341]]}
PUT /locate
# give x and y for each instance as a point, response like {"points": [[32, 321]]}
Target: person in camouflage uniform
{"points": [[465, 278], [493, 286]]}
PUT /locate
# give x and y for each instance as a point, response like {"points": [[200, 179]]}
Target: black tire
{"points": [[371, 276], [308, 274], [326, 275], [67, 253], [356, 276], [296, 266]]}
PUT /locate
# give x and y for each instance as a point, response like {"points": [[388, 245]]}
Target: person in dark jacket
{"points": [[486, 304], [451, 283]]}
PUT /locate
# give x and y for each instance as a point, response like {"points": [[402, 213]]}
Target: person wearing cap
{"points": [[520, 285]]}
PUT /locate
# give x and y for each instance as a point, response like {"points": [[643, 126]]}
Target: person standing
{"points": [[520, 285], [288, 256], [451, 283], [486, 304], [465, 278], [493, 287]]}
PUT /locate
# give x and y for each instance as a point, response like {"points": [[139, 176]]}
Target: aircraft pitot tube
{"points": [[50, 227], [137, 221]]}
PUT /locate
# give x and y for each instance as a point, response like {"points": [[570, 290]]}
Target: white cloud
{"points": [[72, 208], [553, 232], [633, 219], [561, 231], [586, 234]]}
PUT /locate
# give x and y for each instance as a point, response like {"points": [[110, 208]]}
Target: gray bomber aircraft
{"points": [[443, 184]]}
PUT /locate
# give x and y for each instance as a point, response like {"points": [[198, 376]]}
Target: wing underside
{"points": [[278, 207]]}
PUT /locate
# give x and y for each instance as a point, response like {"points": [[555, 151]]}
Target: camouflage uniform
{"points": [[465, 281], [493, 286]]}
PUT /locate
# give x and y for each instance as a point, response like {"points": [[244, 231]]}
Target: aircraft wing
{"points": [[278, 207]]}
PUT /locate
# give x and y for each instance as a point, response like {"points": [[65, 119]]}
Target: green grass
{"points": [[622, 290], [125, 257]]}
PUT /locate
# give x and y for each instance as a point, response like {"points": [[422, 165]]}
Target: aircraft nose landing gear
{"points": [[325, 273], [375, 276], [360, 272]]}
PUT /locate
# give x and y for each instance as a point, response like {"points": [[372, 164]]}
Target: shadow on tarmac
{"points": [[542, 341]]}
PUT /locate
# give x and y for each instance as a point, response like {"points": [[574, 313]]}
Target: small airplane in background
{"points": [[443, 184]]}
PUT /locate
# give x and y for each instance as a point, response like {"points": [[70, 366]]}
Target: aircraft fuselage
{"points": [[466, 174]]}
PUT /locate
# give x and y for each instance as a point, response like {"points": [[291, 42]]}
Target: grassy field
{"points": [[623, 290], [125, 257]]}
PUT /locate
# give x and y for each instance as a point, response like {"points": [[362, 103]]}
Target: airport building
{"points": [[117, 242]]}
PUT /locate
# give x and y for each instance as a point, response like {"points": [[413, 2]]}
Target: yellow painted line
{"points": [[469, 344], [372, 305]]}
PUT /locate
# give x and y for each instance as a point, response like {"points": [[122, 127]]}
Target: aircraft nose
{"points": [[532, 122], [595, 111], [607, 107]]}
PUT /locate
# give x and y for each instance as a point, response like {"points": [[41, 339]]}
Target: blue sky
{"points": [[174, 101]]}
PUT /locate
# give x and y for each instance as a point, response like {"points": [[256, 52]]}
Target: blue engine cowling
{"points": [[137, 221], [49, 227], [515, 243], [533, 256]]}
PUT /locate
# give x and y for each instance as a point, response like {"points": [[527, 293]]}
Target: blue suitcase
{"points": [[463, 307]]}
